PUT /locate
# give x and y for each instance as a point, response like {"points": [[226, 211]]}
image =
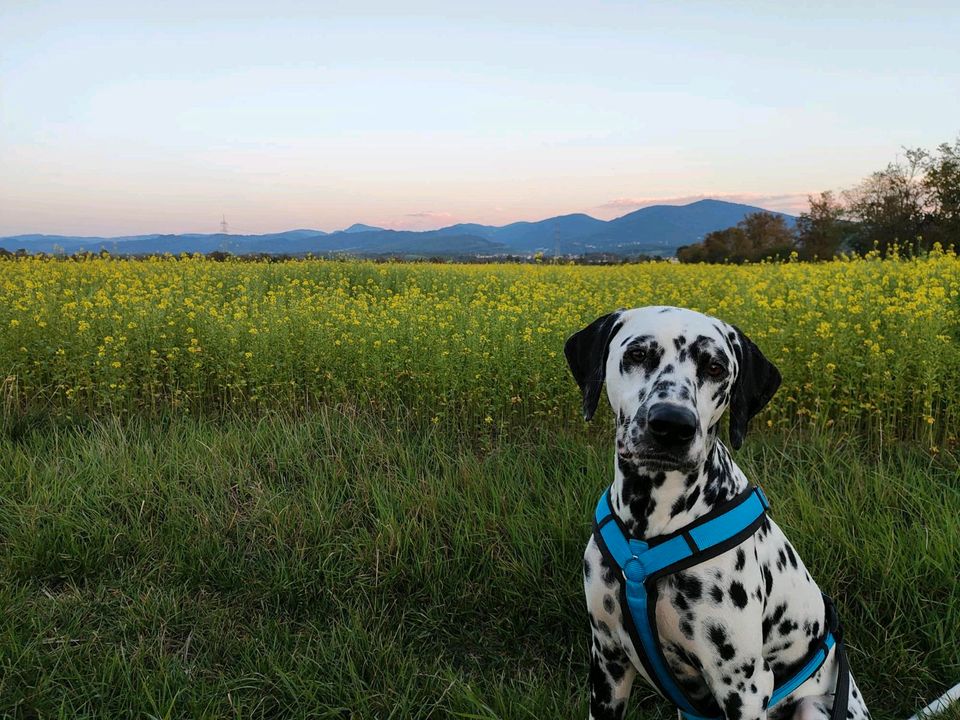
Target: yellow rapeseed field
{"points": [[867, 344]]}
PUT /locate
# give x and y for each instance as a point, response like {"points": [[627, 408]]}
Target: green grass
{"points": [[336, 565]]}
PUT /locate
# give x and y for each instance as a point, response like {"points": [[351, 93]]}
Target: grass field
{"points": [[393, 529], [335, 566]]}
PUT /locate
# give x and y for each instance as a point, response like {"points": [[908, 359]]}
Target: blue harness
{"points": [[642, 563]]}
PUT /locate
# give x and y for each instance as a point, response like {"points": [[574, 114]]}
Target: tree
{"points": [[691, 253], [759, 235], [767, 235], [891, 206], [823, 228], [941, 183], [913, 202]]}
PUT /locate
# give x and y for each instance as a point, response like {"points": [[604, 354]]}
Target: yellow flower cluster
{"points": [[869, 342]]}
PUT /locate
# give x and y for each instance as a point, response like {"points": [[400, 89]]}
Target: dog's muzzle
{"points": [[670, 426], [663, 439]]}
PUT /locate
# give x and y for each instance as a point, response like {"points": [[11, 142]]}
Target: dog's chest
{"points": [[756, 599]]}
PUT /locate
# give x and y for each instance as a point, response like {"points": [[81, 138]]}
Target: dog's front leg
{"points": [[728, 634], [611, 677], [611, 671], [739, 678]]}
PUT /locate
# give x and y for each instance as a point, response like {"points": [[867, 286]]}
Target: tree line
{"points": [[911, 204]]}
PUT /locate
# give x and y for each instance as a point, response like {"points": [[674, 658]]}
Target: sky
{"points": [[120, 118]]}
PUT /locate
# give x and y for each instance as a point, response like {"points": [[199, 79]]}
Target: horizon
{"points": [[120, 120], [376, 228]]}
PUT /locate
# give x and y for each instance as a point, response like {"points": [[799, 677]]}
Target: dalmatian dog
{"points": [[732, 627]]}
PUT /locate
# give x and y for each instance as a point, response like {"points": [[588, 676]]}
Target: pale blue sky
{"points": [[134, 117]]}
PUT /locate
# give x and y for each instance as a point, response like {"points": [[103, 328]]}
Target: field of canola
{"points": [[868, 344], [338, 563]]}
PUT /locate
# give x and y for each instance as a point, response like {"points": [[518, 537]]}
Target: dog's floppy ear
{"points": [[586, 352], [757, 380]]}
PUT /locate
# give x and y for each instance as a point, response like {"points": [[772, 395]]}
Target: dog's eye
{"points": [[716, 370], [635, 355]]}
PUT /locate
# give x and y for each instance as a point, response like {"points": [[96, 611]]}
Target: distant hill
{"points": [[360, 227], [655, 230], [547, 234], [664, 228]]}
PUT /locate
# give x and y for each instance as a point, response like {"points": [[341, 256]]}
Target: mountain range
{"points": [[655, 230]]}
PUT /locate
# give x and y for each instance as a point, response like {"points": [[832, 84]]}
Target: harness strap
{"points": [[804, 673], [841, 695], [638, 558], [641, 563]]}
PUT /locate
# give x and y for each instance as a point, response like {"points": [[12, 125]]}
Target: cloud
{"points": [[431, 215], [423, 220], [792, 203]]}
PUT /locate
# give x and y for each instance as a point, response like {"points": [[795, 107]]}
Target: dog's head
{"points": [[670, 375]]}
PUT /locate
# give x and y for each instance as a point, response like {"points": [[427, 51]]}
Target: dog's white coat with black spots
{"points": [[734, 626]]}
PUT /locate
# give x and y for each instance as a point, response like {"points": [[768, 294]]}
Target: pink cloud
{"points": [[423, 220], [792, 203]]}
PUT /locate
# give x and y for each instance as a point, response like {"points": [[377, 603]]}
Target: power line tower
{"points": [[556, 243], [224, 228]]}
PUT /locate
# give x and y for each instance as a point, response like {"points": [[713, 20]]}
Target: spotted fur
{"points": [[734, 626]]}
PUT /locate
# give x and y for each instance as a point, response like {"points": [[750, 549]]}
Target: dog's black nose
{"points": [[671, 424]]}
